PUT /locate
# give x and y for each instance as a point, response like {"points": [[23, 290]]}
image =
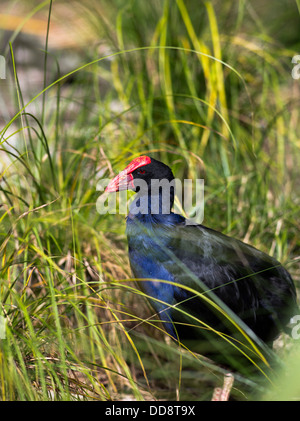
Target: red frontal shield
{"points": [[124, 180]]}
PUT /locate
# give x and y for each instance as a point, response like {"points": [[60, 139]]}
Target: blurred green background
{"points": [[206, 87]]}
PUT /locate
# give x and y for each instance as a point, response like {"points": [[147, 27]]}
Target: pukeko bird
{"points": [[214, 294]]}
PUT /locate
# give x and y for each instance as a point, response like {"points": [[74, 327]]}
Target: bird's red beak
{"points": [[124, 180]]}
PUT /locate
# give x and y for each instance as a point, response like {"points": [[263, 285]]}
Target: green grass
{"points": [[204, 86]]}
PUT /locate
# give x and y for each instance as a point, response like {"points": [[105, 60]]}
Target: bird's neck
{"points": [[152, 207]]}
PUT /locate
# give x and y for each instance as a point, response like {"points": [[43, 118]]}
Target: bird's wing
{"points": [[251, 283]]}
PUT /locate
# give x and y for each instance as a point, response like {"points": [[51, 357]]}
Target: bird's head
{"points": [[141, 169]]}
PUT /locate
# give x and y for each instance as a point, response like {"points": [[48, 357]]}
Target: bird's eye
{"points": [[141, 172]]}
